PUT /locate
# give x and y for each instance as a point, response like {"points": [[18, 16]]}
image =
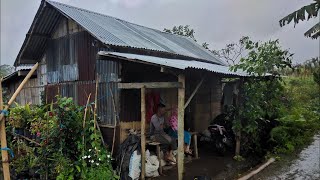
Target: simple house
{"points": [[77, 47]]}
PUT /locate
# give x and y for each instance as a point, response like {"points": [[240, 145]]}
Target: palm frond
{"points": [[300, 14], [316, 35], [313, 31]]}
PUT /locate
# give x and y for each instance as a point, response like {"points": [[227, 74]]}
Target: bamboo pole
{"points": [[26, 79], [95, 111], [181, 99], [143, 136], [95, 105], [4, 153], [115, 120], [84, 118], [252, 173]]}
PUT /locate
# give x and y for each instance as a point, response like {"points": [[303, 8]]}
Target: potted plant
{"points": [[18, 118]]}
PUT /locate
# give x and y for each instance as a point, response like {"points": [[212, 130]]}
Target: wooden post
{"points": [[181, 99], [158, 153], [195, 144], [5, 158], [239, 101], [34, 68], [143, 136]]}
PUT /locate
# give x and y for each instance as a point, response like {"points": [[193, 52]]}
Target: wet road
{"points": [[305, 167]]}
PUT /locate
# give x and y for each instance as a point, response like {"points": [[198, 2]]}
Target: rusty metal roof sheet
{"points": [[108, 30], [176, 63]]}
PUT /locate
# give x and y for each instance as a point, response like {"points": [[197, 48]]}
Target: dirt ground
{"points": [[212, 165]]}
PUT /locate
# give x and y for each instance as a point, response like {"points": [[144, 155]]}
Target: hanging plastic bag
{"points": [[134, 166]]}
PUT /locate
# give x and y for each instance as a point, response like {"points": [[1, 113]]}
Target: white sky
{"points": [[217, 22]]}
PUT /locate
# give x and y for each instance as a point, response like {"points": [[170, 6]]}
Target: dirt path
{"points": [[305, 167]]}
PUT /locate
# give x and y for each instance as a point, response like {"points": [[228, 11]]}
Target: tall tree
{"points": [[232, 52], [311, 11]]}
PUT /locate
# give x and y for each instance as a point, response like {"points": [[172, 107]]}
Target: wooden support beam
{"points": [[143, 135], [149, 85], [26, 79], [194, 92], [238, 132], [181, 98], [4, 153]]}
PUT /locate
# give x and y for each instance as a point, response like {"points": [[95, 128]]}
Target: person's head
{"points": [[161, 109]]}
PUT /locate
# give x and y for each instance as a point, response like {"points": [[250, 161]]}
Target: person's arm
{"points": [[151, 128]]}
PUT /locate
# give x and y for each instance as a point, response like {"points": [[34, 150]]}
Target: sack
{"points": [[134, 166], [152, 165]]}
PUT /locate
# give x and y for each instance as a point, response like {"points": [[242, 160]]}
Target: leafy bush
{"points": [[70, 145], [300, 119]]}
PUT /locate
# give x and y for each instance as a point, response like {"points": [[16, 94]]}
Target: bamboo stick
{"points": [[26, 79], [84, 118], [95, 110], [143, 135], [28, 139], [194, 92], [4, 153], [252, 173], [115, 120]]}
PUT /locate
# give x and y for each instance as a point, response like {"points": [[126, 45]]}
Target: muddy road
{"points": [[306, 166]]}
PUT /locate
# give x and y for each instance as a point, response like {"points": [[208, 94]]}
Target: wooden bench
{"points": [[157, 144], [194, 137]]}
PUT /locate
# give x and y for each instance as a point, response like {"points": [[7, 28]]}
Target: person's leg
{"points": [[187, 141]]}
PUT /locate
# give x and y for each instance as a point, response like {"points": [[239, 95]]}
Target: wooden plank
{"points": [[16, 93], [181, 103], [194, 92], [159, 158], [250, 175], [4, 153], [149, 85], [143, 136]]}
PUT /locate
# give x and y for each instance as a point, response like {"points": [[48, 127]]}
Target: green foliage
{"points": [[300, 119], [300, 15], [316, 76], [182, 31], [263, 94], [71, 148], [264, 58]]}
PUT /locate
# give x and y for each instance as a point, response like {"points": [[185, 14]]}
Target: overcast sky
{"points": [[217, 22]]}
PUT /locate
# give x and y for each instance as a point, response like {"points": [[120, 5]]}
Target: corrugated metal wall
{"points": [[109, 72], [80, 90], [72, 58]]}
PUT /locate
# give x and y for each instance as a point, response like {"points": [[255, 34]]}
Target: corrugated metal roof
{"points": [[16, 74], [176, 63], [108, 30]]}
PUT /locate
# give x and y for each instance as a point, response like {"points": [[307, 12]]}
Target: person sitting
{"points": [[173, 132], [157, 125]]}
